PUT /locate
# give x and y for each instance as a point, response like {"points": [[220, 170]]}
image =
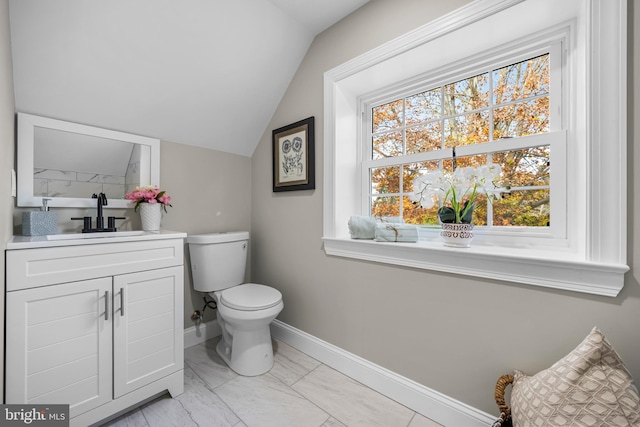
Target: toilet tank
{"points": [[218, 260]]}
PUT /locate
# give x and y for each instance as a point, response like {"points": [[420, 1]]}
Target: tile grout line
{"points": [[232, 411], [212, 390], [412, 418], [329, 415], [314, 403]]}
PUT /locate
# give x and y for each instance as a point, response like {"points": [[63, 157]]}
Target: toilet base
{"points": [[250, 354], [245, 345]]}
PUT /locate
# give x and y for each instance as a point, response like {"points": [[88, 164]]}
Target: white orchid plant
{"points": [[458, 190]]}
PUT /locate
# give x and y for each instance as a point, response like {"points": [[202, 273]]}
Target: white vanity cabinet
{"points": [[96, 326]]}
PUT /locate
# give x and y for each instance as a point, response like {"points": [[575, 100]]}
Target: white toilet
{"points": [[218, 262]]}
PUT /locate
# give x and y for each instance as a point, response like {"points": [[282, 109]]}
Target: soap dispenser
{"points": [[39, 223]]}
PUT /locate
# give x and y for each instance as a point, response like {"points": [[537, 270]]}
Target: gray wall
{"points": [[454, 334], [210, 191], [6, 152]]}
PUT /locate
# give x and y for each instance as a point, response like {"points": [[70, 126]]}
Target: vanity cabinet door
{"points": [[58, 348], [148, 332]]}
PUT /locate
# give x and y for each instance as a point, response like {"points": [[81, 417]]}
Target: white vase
{"points": [[457, 235], [151, 216]]}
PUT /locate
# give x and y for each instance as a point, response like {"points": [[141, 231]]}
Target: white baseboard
{"points": [[201, 332], [430, 403]]}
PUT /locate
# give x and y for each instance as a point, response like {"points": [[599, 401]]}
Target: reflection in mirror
{"points": [[113, 169], [68, 163]]}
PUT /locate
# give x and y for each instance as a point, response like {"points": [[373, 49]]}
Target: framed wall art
{"points": [[293, 156]]}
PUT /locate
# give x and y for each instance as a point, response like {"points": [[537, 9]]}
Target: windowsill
{"points": [[550, 269]]}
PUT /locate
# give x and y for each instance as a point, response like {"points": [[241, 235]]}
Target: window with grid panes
{"points": [[509, 114]]}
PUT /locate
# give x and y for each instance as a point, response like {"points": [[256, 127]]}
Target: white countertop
{"points": [[76, 239]]}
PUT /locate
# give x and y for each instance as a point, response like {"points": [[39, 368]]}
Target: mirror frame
{"points": [[25, 141]]}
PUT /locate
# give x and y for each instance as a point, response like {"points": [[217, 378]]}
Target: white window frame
{"points": [[593, 257], [554, 43]]}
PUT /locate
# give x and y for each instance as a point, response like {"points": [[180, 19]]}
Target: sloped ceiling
{"points": [[208, 73]]}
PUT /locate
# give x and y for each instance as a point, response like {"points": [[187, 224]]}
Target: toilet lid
{"points": [[250, 297]]}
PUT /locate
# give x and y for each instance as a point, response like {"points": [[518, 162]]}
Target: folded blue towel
{"points": [[394, 232], [362, 227]]}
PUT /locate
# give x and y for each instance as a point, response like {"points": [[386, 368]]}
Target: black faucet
{"points": [[111, 225], [102, 201]]}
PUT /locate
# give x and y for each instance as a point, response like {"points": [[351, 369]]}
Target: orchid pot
{"points": [[456, 193]]}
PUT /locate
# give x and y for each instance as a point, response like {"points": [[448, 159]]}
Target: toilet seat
{"points": [[250, 297]]}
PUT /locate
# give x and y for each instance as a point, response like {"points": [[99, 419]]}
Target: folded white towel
{"points": [[362, 227], [394, 232]]}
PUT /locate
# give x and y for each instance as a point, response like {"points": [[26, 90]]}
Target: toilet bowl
{"points": [[246, 338], [245, 310]]}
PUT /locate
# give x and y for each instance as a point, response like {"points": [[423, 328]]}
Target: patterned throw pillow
{"points": [[588, 387]]}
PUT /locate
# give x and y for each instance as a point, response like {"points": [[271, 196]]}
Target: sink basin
{"points": [[75, 236]]}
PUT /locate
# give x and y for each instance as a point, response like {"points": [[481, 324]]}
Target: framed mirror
{"points": [[69, 162]]}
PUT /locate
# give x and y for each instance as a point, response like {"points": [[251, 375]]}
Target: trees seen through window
{"points": [[420, 131]]}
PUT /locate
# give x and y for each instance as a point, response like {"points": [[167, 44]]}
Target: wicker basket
{"points": [[505, 410]]}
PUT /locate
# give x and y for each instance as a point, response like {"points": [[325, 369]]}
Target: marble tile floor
{"points": [[299, 391]]}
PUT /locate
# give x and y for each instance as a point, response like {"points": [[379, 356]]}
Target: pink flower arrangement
{"points": [[149, 194]]}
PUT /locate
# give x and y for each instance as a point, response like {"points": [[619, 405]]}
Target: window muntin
{"points": [[485, 116]]}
